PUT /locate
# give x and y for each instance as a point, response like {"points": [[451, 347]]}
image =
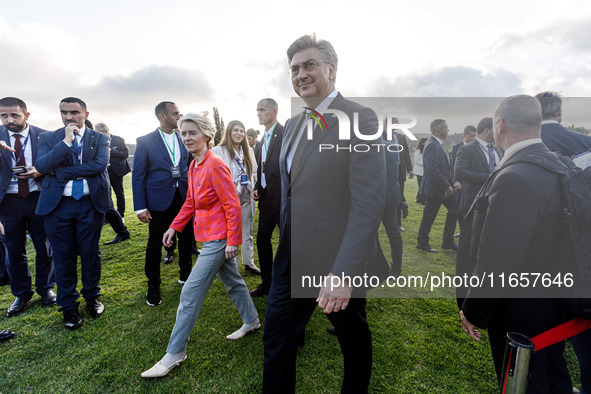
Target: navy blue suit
{"points": [[156, 190], [560, 139], [74, 226], [437, 177], [17, 214]]}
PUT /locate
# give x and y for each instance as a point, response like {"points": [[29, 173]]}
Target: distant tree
{"points": [[219, 126], [578, 129]]}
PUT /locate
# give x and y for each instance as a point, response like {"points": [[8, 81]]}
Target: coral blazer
{"points": [[211, 202]]}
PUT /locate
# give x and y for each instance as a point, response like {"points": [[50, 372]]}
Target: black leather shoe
{"points": [[94, 307], [153, 295], [169, 258], [18, 306], [48, 299], [122, 236], [331, 330], [259, 291], [5, 335], [427, 248], [254, 271], [72, 319], [450, 246], [404, 209]]}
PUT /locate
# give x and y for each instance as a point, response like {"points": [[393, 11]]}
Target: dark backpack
{"points": [[576, 242]]}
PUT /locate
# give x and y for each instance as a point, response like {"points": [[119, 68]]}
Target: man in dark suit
{"points": [[439, 188], [554, 135], [160, 181], [331, 206], [475, 161], [404, 167], [74, 198], [5, 335], [112, 216], [118, 165], [469, 135], [19, 194], [569, 143], [515, 227], [267, 189]]}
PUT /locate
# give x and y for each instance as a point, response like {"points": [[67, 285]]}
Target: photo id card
{"points": [[175, 171]]}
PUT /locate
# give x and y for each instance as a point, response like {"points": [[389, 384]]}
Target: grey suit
{"points": [[331, 207]]}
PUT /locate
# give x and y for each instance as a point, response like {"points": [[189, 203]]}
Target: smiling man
{"points": [[331, 206], [74, 199]]}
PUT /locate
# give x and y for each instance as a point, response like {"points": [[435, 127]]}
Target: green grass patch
{"points": [[418, 345]]}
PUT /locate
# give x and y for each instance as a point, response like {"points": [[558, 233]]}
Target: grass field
{"points": [[418, 343]]}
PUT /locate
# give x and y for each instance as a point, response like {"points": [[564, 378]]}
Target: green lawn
{"points": [[418, 343]]}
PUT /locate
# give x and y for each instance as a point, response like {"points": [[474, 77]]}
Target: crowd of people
{"points": [[328, 207]]}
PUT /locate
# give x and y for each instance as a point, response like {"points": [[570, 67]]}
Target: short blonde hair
{"points": [[203, 123]]}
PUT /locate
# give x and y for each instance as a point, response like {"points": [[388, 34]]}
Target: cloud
{"points": [[148, 86], [450, 81]]}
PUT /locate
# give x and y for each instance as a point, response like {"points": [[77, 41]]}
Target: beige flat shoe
{"points": [[241, 334], [159, 370]]}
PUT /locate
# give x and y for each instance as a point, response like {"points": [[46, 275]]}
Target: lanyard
{"points": [[17, 159], [239, 164], [267, 141], [166, 143]]}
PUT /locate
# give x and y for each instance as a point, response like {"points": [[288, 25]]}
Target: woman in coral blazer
{"points": [[213, 205]]}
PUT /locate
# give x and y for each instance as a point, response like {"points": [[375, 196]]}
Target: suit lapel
{"points": [[6, 154], [305, 149], [159, 143], [481, 154]]}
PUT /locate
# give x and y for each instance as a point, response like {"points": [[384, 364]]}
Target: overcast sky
{"points": [[123, 57]]}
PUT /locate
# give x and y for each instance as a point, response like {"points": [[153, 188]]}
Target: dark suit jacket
{"points": [[437, 175], [454, 156], [332, 202], [55, 159], [153, 185], [471, 169], [6, 167], [119, 153], [405, 165], [513, 227], [560, 139], [272, 193]]}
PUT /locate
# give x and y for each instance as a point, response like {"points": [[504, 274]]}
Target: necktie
{"points": [[492, 164], [266, 143], [23, 184], [77, 184]]}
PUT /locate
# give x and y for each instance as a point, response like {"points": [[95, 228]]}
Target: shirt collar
{"points": [[438, 140], [482, 142], [24, 133], [549, 121], [327, 101], [81, 131], [521, 144]]}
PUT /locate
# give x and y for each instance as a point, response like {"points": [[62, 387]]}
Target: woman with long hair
{"points": [[239, 157], [418, 167], [213, 207]]}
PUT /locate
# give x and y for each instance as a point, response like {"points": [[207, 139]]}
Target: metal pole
{"points": [[516, 364]]}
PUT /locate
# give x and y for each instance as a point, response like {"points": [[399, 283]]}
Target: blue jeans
{"points": [[210, 262]]}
